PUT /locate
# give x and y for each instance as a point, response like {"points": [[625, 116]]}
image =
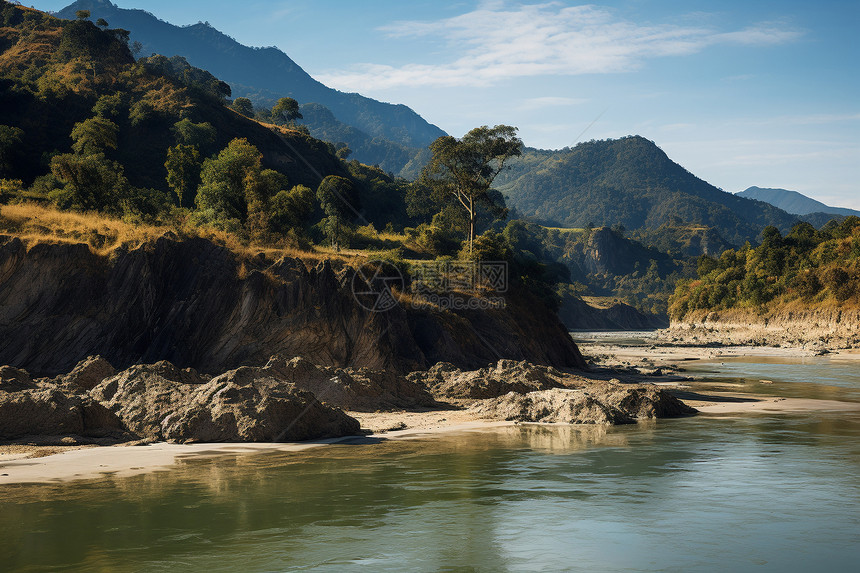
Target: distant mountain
{"points": [[261, 74], [388, 155], [794, 202], [818, 220], [628, 181]]}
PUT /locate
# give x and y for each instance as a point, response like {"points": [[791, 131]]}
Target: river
{"points": [[753, 492]]}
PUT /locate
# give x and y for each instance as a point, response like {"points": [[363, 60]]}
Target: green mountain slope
{"points": [[794, 202], [389, 156], [56, 73], [628, 181], [261, 74]]}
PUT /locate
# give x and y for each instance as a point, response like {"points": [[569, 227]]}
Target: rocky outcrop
{"points": [[162, 402], [200, 305], [447, 381], [88, 373], [41, 408], [599, 403], [145, 394], [359, 389]]}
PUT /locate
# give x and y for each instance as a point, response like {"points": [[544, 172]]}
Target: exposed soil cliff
{"points": [[821, 328], [200, 305]]}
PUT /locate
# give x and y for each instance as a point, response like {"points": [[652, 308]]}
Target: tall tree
{"points": [[229, 180], [10, 138], [287, 109], [339, 201], [89, 182], [244, 106], [290, 209], [200, 135], [183, 172], [464, 169]]}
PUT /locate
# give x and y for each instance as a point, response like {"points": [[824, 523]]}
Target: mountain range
{"points": [[794, 202], [631, 182], [379, 131]]}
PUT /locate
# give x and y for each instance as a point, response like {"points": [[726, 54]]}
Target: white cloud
{"points": [[551, 101], [498, 41]]}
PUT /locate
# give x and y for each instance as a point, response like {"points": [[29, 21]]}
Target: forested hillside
{"points": [[808, 265], [388, 155], [602, 262], [631, 182], [263, 75], [84, 126]]}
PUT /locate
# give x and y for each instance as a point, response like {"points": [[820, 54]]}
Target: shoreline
{"points": [[39, 464], [124, 460]]}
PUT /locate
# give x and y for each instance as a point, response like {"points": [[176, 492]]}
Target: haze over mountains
{"points": [[628, 181], [794, 202], [266, 74]]}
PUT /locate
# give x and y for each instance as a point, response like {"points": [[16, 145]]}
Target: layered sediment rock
{"points": [[200, 305], [823, 328]]}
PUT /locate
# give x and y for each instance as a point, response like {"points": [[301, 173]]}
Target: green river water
{"points": [[757, 492]]}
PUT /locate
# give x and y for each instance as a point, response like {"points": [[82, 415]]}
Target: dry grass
{"points": [[36, 224]]}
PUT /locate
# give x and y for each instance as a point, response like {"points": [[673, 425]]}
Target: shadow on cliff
{"points": [[200, 305]]}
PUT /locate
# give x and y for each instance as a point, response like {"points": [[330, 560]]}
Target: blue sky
{"points": [[740, 93]]}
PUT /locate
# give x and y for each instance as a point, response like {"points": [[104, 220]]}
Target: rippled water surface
{"points": [[765, 492]]}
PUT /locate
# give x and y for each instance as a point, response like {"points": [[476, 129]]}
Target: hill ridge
{"points": [[237, 64], [793, 202], [632, 182]]}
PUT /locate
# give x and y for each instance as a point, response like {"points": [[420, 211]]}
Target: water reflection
{"points": [[818, 377], [671, 493]]}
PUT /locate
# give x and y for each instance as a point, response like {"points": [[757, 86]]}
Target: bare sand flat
{"points": [[123, 460], [126, 460], [737, 403]]}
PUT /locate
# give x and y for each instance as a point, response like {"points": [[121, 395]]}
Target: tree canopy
{"points": [[287, 109], [94, 135], [464, 169]]}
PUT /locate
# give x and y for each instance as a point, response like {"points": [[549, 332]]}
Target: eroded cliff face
{"points": [[198, 305], [793, 325]]}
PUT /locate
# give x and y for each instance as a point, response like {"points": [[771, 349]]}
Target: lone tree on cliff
{"points": [[287, 109], [464, 169]]}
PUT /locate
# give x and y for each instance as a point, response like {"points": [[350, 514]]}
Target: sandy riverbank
{"points": [[32, 463], [657, 355], [68, 463], [76, 463]]}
